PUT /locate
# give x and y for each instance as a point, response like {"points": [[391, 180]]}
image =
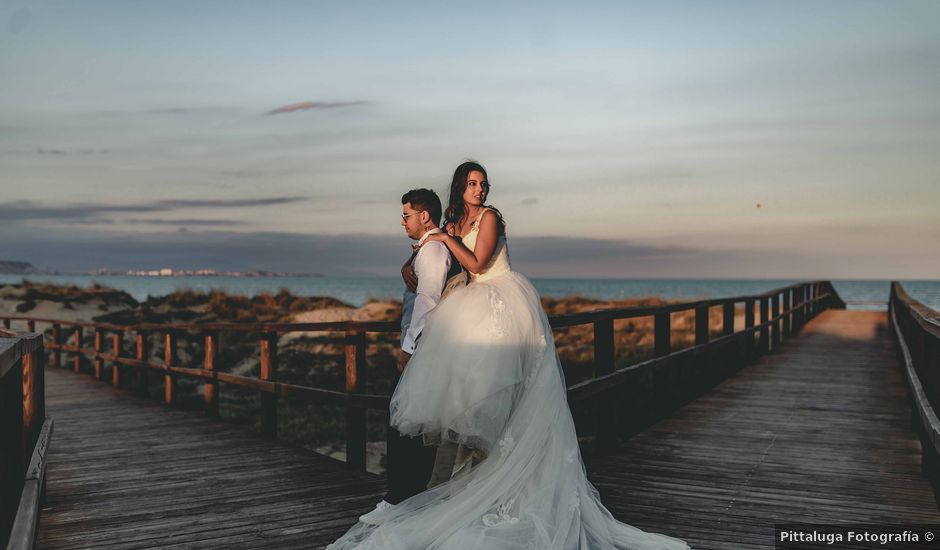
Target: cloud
{"points": [[81, 151], [232, 203], [28, 210], [191, 110], [253, 173], [529, 201], [91, 221], [306, 105], [183, 221]]}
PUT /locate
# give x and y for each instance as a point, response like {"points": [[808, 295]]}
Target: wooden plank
{"points": [[26, 522], [56, 340], [213, 480], [142, 353], [169, 358], [727, 318], [662, 334], [268, 373], [605, 413], [818, 431], [78, 347], [211, 387], [116, 338], [764, 340], [98, 363], [355, 415]]}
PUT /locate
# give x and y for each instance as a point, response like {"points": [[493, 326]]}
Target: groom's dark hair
{"points": [[424, 200]]}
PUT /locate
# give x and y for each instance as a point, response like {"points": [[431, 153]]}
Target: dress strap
{"points": [[476, 221]]}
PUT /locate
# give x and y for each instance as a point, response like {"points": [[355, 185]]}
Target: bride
{"points": [[485, 375]]}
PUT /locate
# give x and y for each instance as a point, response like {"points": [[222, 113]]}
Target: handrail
{"points": [[24, 436], [782, 312], [915, 328], [557, 321], [26, 522]]}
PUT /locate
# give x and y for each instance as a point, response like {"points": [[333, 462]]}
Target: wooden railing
{"points": [[677, 375], [24, 436], [916, 331]]}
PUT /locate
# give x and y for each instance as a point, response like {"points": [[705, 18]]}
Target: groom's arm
{"points": [[431, 265]]}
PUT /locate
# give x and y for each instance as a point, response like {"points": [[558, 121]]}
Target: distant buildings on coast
{"points": [[25, 268], [168, 272]]}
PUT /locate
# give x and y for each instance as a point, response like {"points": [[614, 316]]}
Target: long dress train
{"points": [[485, 374]]}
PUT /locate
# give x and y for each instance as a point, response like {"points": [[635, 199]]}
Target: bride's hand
{"points": [[408, 275], [435, 237]]}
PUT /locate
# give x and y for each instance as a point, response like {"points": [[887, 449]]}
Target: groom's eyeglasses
{"points": [[405, 216]]}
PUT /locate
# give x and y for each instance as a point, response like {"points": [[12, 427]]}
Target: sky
{"points": [[679, 139]]}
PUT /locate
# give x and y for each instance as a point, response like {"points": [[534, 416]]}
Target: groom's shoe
{"points": [[372, 518]]}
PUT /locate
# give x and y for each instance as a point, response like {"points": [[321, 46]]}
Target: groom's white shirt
{"points": [[431, 264]]}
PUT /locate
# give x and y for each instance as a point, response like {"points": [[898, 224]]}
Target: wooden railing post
{"points": [[269, 373], [211, 386], [116, 338], [605, 419], [813, 294], [143, 373], [788, 316], [6, 323], [56, 342], [727, 318], [749, 326], [78, 348], [807, 304], [764, 345], [355, 416], [797, 311], [22, 414], [776, 326], [31, 325], [12, 452], [169, 358], [701, 325], [662, 333], [98, 336], [808, 292], [34, 404]]}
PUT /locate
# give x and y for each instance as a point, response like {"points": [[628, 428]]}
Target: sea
{"points": [[859, 294]]}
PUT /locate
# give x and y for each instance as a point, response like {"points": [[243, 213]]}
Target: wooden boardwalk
{"points": [[125, 472], [817, 432]]}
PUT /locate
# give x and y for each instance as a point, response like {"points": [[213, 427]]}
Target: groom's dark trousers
{"points": [[408, 464]]}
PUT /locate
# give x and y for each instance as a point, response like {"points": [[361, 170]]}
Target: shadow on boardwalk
{"points": [[816, 432]]}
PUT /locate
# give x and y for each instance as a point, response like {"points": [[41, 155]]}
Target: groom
{"points": [[409, 462]]}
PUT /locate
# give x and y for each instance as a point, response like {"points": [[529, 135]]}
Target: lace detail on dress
{"points": [[475, 224], [570, 455], [501, 515], [574, 503], [539, 355], [506, 443], [500, 325]]}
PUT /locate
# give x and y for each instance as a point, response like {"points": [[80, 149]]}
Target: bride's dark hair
{"points": [[455, 208]]}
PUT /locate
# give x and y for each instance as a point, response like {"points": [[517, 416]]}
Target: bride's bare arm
{"points": [[474, 261]]}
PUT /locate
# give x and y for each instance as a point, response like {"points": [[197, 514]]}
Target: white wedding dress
{"points": [[485, 374]]}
